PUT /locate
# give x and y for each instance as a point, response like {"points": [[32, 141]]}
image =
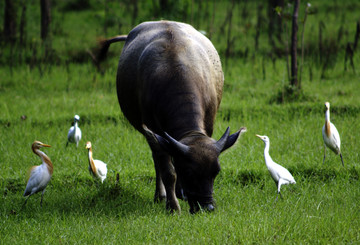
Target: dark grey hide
{"points": [[169, 86]]}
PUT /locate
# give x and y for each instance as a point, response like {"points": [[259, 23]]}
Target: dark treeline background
{"points": [[62, 32]]}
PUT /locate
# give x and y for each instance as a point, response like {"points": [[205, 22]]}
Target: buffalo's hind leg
{"points": [[179, 191]]}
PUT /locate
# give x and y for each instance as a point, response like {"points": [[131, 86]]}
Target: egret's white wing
{"points": [[39, 178], [78, 134], [335, 136], [284, 174], [71, 134], [100, 167]]}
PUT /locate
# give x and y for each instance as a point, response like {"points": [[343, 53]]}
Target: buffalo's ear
{"points": [[226, 141], [155, 141], [220, 144]]}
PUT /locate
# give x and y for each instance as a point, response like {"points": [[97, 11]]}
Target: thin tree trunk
{"points": [[275, 21], [258, 26], [106, 7], [229, 41], [357, 35], [302, 44], [287, 50], [164, 5], [351, 47], [135, 11], [45, 18], [10, 21], [294, 69], [320, 44], [23, 24], [211, 29]]}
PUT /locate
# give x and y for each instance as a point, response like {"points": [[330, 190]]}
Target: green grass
{"points": [[323, 207]]}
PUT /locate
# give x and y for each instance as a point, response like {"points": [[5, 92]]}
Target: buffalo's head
{"points": [[196, 161]]}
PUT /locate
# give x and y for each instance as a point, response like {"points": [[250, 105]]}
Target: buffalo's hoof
{"points": [[173, 207], [159, 198], [209, 207]]}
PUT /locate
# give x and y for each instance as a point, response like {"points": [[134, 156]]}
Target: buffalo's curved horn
{"points": [[220, 144], [176, 145]]}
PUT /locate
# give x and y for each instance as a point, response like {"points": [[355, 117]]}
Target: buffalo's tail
{"points": [[105, 44]]}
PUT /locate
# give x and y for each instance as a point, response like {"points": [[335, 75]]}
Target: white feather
{"points": [[280, 175], [99, 170], [74, 134], [39, 175], [331, 137], [39, 178]]}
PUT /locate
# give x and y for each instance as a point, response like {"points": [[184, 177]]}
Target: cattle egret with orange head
{"points": [[331, 135], [39, 175], [97, 168], [280, 175]]}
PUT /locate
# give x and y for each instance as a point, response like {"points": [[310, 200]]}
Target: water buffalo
{"points": [[169, 87]]}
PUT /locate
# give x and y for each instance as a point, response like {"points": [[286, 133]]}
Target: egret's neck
{"points": [[91, 161], [327, 123], [266, 153], [45, 160], [90, 155], [327, 116], [75, 125]]}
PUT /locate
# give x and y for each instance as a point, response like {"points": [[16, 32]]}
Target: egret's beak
{"points": [[258, 136], [45, 145]]}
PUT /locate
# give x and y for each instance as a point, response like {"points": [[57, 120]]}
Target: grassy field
{"points": [[323, 207]]}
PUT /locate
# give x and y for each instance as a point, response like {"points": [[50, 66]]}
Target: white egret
{"points": [[331, 135], [97, 168], [39, 175], [74, 134], [280, 175]]}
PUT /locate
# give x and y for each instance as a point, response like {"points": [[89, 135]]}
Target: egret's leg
{"points": [[342, 161], [25, 202], [278, 189], [67, 142], [277, 195], [281, 182], [42, 195], [324, 154]]}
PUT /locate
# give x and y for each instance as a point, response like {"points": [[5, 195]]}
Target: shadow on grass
{"points": [[85, 196], [323, 174], [133, 195], [242, 178]]}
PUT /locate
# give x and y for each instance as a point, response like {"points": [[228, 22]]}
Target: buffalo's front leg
{"points": [[165, 173], [160, 193], [167, 178]]}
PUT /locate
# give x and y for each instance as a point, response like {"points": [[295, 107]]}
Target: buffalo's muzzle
{"points": [[196, 207]]}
